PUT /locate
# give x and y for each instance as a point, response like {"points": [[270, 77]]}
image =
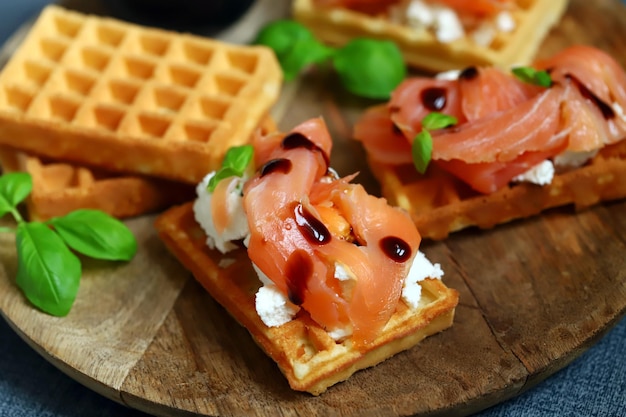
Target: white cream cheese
{"points": [[272, 306], [238, 227], [570, 159], [447, 25], [540, 174], [421, 269]]}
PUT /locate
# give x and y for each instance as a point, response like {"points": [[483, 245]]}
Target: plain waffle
{"points": [[127, 98], [420, 47], [440, 204], [308, 357]]}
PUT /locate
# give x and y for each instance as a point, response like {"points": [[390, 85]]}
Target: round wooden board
{"points": [[535, 294]]}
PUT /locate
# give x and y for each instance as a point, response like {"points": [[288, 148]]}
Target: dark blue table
{"points": [[593, 385]]}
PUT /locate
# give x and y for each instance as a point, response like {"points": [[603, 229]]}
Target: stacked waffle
{"points": [[532, 21], [108, 107]]}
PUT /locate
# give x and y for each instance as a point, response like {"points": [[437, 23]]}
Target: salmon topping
{"points": [[504, 124], [308, 227]]}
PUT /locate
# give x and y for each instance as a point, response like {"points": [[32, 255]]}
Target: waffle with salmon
{"points": [[326, 278], [530, 22], [441, 204], [309, 358], [101, 92], [513, 149]]}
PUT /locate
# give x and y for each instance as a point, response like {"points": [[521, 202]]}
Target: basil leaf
{"points": [[220, 175], [304, 52], [96, 234], [235, 163], [14, 188], [295, 46], [370, 68], [48, 272], [238, 158], [543, 79], [532, 76], [421, 150], [435, 120]]}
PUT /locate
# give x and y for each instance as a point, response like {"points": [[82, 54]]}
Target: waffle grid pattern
{"points": [[91, 80]]}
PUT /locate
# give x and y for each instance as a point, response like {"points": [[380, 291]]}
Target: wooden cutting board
{"points": [[535, 294]]}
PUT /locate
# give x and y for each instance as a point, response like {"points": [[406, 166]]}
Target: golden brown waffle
{"points": [[59, 188], [440, 204], [308, 357], [420, 48], [127, 98]]}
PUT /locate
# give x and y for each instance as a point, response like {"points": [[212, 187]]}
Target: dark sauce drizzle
{"points": [[276, 165], [605, 109], [396, 130], [434, 98], [395, 248], [298, 140], [311, 228], [468, 73], [298, 271]]}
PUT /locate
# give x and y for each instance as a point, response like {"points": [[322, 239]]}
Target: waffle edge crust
{"points": [[308, 357], [60, 187], [534, 19], [126, 98], [439, 204]]}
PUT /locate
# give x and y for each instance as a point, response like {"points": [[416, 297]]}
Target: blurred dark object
{"points": [[183, 15], [215, 12]]}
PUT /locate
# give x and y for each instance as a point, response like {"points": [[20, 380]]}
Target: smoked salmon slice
{"points": [[505, 123], [331, 249]]}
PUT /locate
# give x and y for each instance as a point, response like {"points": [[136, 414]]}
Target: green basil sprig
{"points": [[48, 271], [366, 67], [235, 163], [422, 147], [532, 76], [295, 46]]}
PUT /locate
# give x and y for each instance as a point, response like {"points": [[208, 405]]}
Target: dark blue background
{"points": [[593, 385]]}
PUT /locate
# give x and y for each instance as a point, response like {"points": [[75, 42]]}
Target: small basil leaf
{"points": [[370, 68], [281, 35], [422, 150], [435, 120], [543, 79], [532, 76], [305, 52], [295, 46], [235, 163], [96, 234], [14, 188], [220, 175], [48, 272], [238, 158]]}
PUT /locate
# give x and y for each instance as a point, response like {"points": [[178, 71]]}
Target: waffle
{"points": [[126, 98], [440, 204], [421, 49], [308, 357], [60, 187]]}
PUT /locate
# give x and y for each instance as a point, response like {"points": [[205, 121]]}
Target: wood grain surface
{"points": [[535, 294]]}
